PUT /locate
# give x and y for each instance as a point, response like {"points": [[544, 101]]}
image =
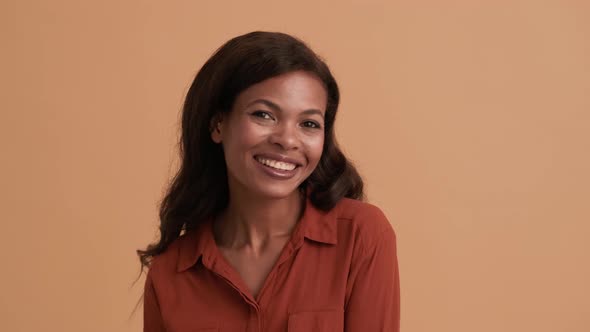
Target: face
{"points": [[274, 135]]}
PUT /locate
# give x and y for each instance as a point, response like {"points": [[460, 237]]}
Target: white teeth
{"points": [[276, 164]]}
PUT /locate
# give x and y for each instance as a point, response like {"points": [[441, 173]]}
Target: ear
{"points": [[215, 128]]}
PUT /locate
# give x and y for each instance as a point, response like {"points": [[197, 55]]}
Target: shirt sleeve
{"points": [[374, 301], [152, 317]]}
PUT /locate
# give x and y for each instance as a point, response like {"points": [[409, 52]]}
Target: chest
{"points": [[253, 270], [306, 291]]}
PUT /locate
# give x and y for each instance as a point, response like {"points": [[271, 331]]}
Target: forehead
{"points": [[295, 91]]}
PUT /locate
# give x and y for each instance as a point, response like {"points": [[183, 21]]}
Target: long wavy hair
{"points": [[199, 190]]}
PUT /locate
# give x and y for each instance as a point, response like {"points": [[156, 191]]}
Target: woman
{"points": [[262, 229]]}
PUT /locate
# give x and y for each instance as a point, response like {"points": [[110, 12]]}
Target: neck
{"points": [[253, 222]]}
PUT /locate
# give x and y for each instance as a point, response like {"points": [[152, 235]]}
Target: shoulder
{"points": [[364, 215], [166, 263], [366, 221]]}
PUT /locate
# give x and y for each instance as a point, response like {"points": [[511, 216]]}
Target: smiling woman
{"points": [[263, 227], [275, 126]]}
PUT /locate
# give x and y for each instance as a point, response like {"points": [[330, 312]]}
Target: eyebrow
{"points": [[277, 108]]}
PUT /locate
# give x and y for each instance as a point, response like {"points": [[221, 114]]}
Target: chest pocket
{"points": [[316, 321]]}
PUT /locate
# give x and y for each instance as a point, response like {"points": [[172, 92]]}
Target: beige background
{"points": [[469, 120]]}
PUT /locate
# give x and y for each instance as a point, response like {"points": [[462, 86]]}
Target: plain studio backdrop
{"points": [[468, 119]]}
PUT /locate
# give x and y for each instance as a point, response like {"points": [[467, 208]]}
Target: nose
{"points": [[286, 137]]}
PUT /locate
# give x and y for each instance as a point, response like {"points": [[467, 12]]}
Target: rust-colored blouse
{"points": [[338, 272]]}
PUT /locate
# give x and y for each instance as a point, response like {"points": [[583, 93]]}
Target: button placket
{"points": [[270, 288], [224, 272], [254, 320]]}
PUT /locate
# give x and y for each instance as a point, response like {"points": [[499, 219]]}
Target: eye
{"points": [[311, 124], [262, 115]]}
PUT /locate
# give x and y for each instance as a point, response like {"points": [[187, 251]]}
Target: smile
{"points": [[280, 165]]}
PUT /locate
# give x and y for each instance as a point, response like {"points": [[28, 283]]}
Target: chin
{"points": [[276, 192]]}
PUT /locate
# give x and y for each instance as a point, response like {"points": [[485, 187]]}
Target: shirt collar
{"points": [[315, 225], [319, 226], [195, 244]]}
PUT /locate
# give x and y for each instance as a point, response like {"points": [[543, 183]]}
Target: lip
{"points": [[274, 173], [279, 157]]}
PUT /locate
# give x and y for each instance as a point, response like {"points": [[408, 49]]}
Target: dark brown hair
{"points": [[199, 190]]}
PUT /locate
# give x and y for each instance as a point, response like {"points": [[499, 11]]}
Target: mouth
{"points": [[276, 164]]}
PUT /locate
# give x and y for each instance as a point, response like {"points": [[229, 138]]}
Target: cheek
{"points": [[243, 135], [314, 148]]}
